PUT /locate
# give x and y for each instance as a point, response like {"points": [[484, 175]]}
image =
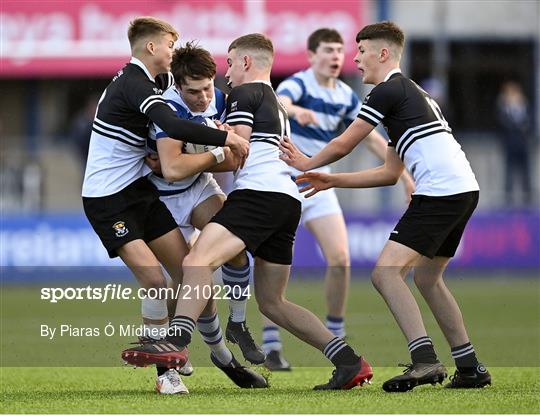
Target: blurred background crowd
{"points": [[480, 60]]}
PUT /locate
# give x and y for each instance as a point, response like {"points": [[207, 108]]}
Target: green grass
{"points": [[125, 390], [84, 374]]}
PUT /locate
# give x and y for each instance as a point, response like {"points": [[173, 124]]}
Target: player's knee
{"points": [[194, 259], [378, 277], [240, 260], [425, 281], [339, 259], [268, 310], [154, 283], [269, 306]]}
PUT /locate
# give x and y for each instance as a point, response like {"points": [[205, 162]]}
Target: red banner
{"points": [[88, 38]]}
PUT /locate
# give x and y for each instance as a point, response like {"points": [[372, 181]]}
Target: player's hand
{"points": [[292, 156], [152, 161], [222, 126], [239, 146], [304, 116], [314, 182]]}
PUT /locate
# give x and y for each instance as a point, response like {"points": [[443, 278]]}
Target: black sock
{"points": [[465, 358], [340, 353], [422, 351], [180, 330]]}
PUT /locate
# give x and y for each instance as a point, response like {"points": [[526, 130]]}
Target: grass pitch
{"points": [[502, 316], [125, 390]]}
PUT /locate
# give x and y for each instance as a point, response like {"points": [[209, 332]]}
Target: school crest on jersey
{"points": [[120, 229]]}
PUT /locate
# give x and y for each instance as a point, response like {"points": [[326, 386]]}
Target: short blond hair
{"points": [[148, 26], [259, 46]]}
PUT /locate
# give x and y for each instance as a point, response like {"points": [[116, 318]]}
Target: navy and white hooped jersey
{"points": [[256, 105], [118, 139], [215, 111], [332, 107], [420, 135]]}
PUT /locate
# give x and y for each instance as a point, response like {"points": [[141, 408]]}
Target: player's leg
{"points": [[235, 272], [428, 277], [164, 239], [273, 347], [388, 277], [331, 234], [270, 284], [154, 311], [195, 300], [170, 250], [214, 246], [429, 280], [146, 268], [235, 276], [210, 330]]}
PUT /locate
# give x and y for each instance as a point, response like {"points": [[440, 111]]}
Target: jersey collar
{"points": [[264, 82], [392, 72], [139, 63]]}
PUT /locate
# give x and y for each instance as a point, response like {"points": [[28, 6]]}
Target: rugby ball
{"points": [[200, 148]]}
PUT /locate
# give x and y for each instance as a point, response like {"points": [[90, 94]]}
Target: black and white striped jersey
{"points": [[256, 105], [118, 141], [420, 135]]}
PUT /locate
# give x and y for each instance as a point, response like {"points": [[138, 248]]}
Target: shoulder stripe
{"points": [[372, 111], [240, 113], [371, 114], [150, 101], [413, 131], [110, 136], [368, 117], [114, 128], [414, 138], [239, 120], [111, 133]]}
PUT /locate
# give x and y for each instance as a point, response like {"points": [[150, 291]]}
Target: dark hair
{"points": [[144, 26], [323, 35], [386, 30], [192, 61], [253, 42]]}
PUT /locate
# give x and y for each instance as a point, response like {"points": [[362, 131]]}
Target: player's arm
{"points": [[241, 104], [243, 131], [142, 96], [339, 147], [384, 175], [302, 115], [176, 165], [230, 164], [180, 129], [378, 146]]}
